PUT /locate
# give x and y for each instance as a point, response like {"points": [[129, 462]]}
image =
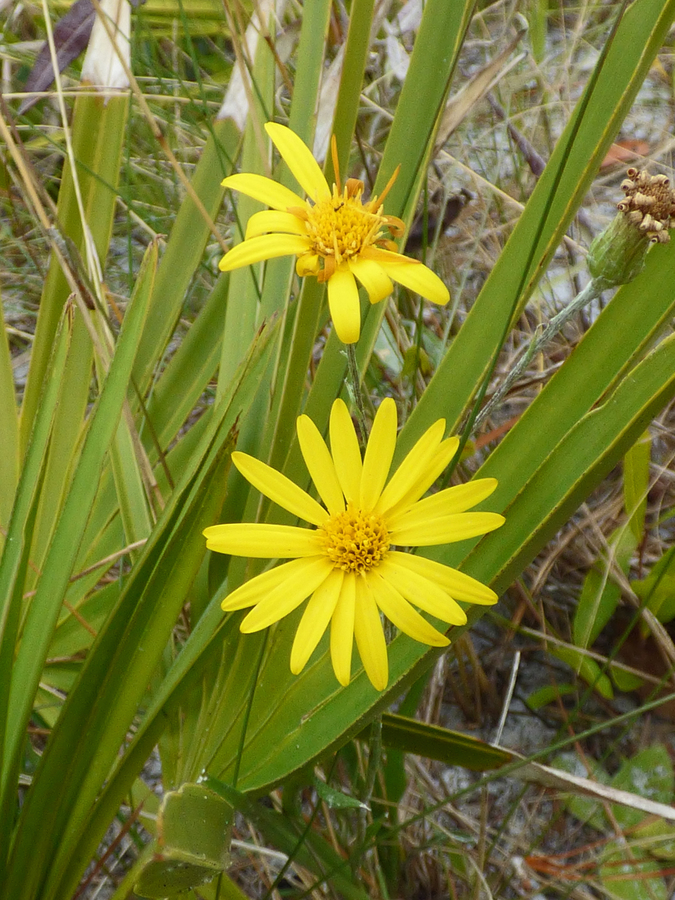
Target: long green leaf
{"points": [[185, 248], [14, 560], [53, 582], [133, 640], [97, 137], [9, 458], [433, 742]]}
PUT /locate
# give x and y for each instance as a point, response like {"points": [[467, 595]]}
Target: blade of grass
{"points": [[15, 555], [99, 162], [103, 703], [46, 603], [9, 458]]}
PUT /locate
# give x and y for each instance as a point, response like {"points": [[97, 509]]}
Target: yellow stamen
{"points": [[336, 162], [355, 541], [342, 227], [390, 184]]}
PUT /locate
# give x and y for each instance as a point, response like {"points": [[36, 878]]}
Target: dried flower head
{"points": [[646, 213], [649, 204]]}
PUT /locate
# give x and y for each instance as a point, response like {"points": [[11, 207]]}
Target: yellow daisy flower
{"points": [[347, 562], [335, 235]]}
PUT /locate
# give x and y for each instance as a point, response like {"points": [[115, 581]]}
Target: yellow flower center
{"points": [[355, 541], [343, 226]]}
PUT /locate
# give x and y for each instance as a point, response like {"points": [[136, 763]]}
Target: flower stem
{"points": [[592, 291], [354, 379], [374, 760], [247, 711]]}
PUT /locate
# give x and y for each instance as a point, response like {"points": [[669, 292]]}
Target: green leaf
{"points": [[636, 483], [293, 838], [335, 799], [586, 668], [657, 590], [194, 828], [625, 681], [601, 593], [14, 562], [649, 774], [132, 642], [657, 838], [185, 249], [98, 130], [550, 693], [442, 744], [625, 873], [9, 458], [46, 604]]}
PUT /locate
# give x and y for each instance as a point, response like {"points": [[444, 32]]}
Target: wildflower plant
{"points": [[126, 443]]}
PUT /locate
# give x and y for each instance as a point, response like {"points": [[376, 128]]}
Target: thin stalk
{"points": [[247, 713], [354, 387], [591, 292], [374, 761]]}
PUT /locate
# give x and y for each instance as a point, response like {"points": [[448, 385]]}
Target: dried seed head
{"points": [[649, 204], [645, 215]]}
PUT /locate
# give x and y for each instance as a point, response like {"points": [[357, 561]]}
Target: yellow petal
{"points": [[416, 530], [370, 636], [320, 465], [342, 630], [273, 220], [426, 475], [287, 595], [262, 540], [307, 264], [379, 454], [460, 586], [410, 470], [345, 308], [315, 620], [268, 246], [373, 277], [452, 500], [255, 590], [419, 589], [397, 609], [264, 189], [415, 276], [345, 451], [279, 488], [300, 161]]}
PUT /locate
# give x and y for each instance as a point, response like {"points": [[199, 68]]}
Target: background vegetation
{"points": [[130, 368]]}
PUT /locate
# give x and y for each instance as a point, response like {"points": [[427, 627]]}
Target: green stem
{"points": [[592, 291], [374, 760], [354, 385], [247, 713]]}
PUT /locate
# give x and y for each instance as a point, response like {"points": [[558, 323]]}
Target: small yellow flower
{"points": [[335, 235], [347, 562]]}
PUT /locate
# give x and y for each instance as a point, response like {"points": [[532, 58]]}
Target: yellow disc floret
{"points": [[355, 541], [342, 226]]}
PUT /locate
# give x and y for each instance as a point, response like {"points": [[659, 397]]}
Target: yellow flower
{"points": [[347, 562], [335, 235]]}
